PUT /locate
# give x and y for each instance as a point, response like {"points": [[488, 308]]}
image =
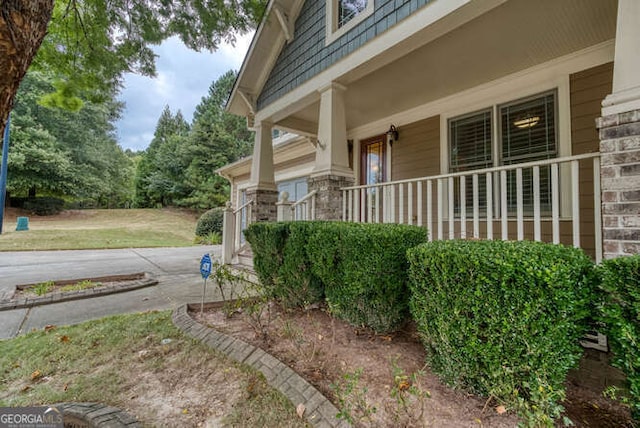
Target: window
{"points": [[527, 132], [343, 15], [348, 9], [297, 188]]}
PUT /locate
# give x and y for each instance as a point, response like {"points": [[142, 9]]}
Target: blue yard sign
{"points": [[205, 266], [205, 271]]}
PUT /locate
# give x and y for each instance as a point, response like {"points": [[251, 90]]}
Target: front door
{"points": [[373, 170]]}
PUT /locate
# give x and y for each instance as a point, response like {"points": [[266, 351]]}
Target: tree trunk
{"points": [[23, 25]]}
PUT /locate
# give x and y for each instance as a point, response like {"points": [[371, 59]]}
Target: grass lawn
{"points": [[95, 229], [142, 364]]}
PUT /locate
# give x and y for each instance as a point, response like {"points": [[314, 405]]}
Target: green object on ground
{"points": [[22, 224]]}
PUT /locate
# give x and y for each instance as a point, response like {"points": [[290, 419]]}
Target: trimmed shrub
{"points": [[298, 286], [267, 244], [282, 264], [620, 314], [210, 221], [364, 269], [503, 319], [44, 205]]}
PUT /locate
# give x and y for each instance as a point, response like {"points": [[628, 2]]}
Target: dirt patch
{"points": [[381, 380]]}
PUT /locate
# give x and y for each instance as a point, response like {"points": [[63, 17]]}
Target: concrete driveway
{"points": [[177, 270]]}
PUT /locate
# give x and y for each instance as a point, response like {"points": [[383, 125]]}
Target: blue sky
{"points": [[183, 78]]}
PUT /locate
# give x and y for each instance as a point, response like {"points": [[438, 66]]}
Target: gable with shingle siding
{"points": [[306, 55]]}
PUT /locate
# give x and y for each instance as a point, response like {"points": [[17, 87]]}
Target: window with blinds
{"points": [[527, 132], [469, 149]]}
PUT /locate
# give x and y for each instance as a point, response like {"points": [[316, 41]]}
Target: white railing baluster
{"points": [[575, 201], [503, 206], [369, 211], [429, 210], [519, 204], [555, 204], [419, 206], [597, 214], [409, 203], [463, 207], [401, 203], [344, 205], [385, 204], [476, 208], [377, 195], [537, 235], [440, 209], [350, 203], [489, 178], [393, 204], [451, 207]]}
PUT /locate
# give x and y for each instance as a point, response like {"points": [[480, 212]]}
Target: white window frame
{"points": [[333, 33]]}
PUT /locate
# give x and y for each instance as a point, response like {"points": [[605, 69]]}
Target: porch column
{"points": [[331, 171], [620, 140], [262, 190]]}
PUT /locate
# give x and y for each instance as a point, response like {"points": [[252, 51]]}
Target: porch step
{"points": [[245, 258]]}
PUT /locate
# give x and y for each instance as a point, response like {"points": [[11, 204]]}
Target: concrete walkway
{"points": [[177, 270]]}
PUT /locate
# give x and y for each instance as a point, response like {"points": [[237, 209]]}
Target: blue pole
{"points": [[3, 171]]}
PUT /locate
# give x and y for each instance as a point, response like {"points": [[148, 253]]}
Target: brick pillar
{"points": [[264, 204], [329, 196], [620, 181]]}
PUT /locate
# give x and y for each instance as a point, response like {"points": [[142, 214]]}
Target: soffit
{"points": [[514, 36]]}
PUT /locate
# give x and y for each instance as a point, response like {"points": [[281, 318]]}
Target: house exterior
{"points": [[485, 119]]}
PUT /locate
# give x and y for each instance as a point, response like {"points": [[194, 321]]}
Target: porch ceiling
{"points": [[514, 36]]}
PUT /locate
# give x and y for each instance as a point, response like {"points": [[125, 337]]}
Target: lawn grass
{"points": [[138, 362], [100, 229]]}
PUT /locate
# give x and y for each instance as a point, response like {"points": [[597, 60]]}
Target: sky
{"points": [[183, 78]]}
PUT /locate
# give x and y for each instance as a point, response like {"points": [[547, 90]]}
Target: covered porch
{"points": [[466, 73]]}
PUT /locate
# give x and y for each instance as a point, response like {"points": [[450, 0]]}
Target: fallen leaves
{"points": [[501, 410], [36, 375], [49, 327], [300, 409]]}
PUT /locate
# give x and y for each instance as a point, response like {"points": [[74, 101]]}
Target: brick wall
{"points": [[620, 178]]}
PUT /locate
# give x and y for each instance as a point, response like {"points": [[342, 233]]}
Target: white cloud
{"points": [[183, 78]]}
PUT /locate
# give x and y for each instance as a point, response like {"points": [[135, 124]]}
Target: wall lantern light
{"points": [[392, 135]]}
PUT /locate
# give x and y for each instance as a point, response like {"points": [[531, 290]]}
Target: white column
{"points": [[626, 77], [332, 155], [262, 175]]}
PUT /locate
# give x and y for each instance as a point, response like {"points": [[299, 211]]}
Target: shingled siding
{"points": [[307, 55]]}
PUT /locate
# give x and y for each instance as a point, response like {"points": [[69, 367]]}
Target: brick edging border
{"points": [[96, 415], [319, 411], [148, 280]]}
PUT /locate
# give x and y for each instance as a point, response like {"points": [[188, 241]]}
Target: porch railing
{"points": [[554, 200], [234, 222], [302, 209]]}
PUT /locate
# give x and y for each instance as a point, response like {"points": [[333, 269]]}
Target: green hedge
{"points": [[361, 268], [364, 269], [620, 313], [267, 244], [503, 319], [209, 222]]}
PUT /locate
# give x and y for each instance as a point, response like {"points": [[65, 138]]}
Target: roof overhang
{"points": [[276, 29], [286, 148]]}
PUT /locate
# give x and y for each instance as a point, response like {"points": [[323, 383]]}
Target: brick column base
{"points": [[264, 204], [620, 180], [329, 196]]}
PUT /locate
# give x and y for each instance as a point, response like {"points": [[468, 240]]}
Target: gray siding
{"points": [[307, 55]]}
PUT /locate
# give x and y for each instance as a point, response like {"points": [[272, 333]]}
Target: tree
{"points": [[216, 139], [63, 153], [89, 44], [160, 171]]}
